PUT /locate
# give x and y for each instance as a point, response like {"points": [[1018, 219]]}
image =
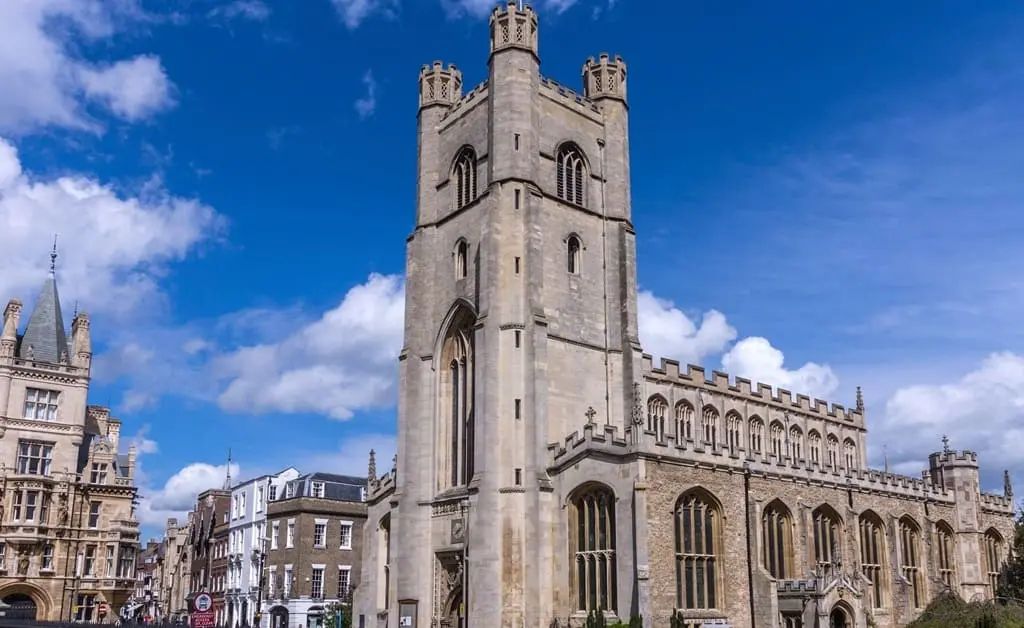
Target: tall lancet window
{"points": [[456, 403], [570, 174]]}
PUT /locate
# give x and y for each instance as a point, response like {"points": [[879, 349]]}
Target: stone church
{"points": [[547, 468]]}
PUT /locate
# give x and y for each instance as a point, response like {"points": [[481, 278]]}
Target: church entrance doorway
{"points": [[839, 618], [21, 606]]}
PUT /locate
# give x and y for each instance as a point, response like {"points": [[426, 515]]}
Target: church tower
{"points": [[520, 328]]}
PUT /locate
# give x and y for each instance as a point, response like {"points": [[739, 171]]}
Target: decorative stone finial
{"points": [[945, 444], [860, 400], [371, 471], [53, 256], [1007, 484], [590, 414]]}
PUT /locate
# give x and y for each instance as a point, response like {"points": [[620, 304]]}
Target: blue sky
{"points": [[826, 195]]}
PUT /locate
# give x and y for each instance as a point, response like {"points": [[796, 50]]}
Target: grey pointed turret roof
{"points": [[45, 332]]}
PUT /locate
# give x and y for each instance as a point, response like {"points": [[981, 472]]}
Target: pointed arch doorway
{"points": [[839, 618]]}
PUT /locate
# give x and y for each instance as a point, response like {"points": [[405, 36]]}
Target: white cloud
{"points": [[483, 8], [353, 454], [117, 246], [665, 331], [343, 362], [354, 12], [178, 495], [253, 10], [46, 82], [134, 89], [757, 360], [367, 104], [983, 411]]}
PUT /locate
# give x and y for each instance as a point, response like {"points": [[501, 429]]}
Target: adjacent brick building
{"points": [[313, 553], [211, 507]]}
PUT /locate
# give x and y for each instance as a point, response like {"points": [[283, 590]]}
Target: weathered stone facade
{"points": [[68, 532], [547, 468]]}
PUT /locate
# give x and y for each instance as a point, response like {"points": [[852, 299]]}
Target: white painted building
{"points": [[247, 533]]}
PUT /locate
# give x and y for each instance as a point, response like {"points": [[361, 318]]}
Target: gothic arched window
{"points": [[775, 438], [777, 537], [796, 443], [872, 555], [993, 559], [383, 562], [833, 451], [461, 259], [709, 425], [464, 175], [827, 537], [946, 553], [756, 435], [570, 174], [698, 543], [573, 249], [684, 421], [733, 427], [657, 407], [592, 539], [910, 560], [850, 454], [456, 392], [814, 446]]}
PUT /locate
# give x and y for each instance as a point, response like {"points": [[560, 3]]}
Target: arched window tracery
{"points": [[455, 390], [872, 555], [657, 408], [684, 421], [756, 435], [709, 425], [570, 174], [592, 537], [777, 537], [910, 560], [698, 522], [464, 175]]}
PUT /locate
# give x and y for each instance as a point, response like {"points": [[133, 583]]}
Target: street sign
{"points": [[202, 615]]}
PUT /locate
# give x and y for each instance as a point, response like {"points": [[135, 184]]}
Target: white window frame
{"points": [[323, 538], [312, 578], [275, 534], [347, 569], [288, 574], [45, 399], [289, 540], [317, 490], [351, 528], [44, 460]]}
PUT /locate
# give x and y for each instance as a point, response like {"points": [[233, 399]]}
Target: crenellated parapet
{"points": [[569, 97], [9, 338], [476, 95], [742, 389], [513, 27], [951, 458], [998, 504], [797, 587], [605, 77], [440, 85], [633, 442]]}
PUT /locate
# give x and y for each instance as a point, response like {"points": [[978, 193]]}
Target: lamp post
{"points": [[260, 578]]}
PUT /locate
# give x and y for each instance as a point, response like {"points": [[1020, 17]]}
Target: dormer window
{"points": [[98, 473], [289, 491], [318, 490], [40, 404]]}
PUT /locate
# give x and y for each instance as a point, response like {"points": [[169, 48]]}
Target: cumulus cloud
{"points": [[353, 454], [354, 12], [983, 410], [756, 359], [666, 331], [178, 494], [46, 82], [482, 8], [252, 10], [343, 362], [120, 245]]}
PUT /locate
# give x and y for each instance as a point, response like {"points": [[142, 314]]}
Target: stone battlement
{"points": [[380, 488], [570, 96], [797, 587], [606, 439], [954, 458], [695, 376], [998, 503], [477, 94]]}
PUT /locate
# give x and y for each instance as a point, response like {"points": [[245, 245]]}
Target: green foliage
{"points": [[596, 619], [634, 622], [331, 615], [1012, 585], [677, 620], [949, 611]]}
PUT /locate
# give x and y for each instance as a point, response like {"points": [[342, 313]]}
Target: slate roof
{"points": [[45, 332]]}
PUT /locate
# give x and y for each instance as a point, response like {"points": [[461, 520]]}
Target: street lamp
{"points": [[261, 579]]}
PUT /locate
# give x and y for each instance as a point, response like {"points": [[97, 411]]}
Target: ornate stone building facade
{"points": [[68, 532], [547, 468]]}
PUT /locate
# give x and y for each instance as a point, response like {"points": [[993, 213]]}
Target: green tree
{"points": [[1013, 576]]}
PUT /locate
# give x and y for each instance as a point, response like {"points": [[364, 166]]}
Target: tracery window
{"points": [[573, 248], [698, 522], [592, 530], [814, 447], [796, 443], [684, 421], [993, 558], [461, 259], [657, 407], [833, 451], [464, 174], [946, 556], [456, 390], [756, 435], [827, 538], [850, 454], [777, 537], [910, 560], [709, 425], [383, 563], [775, 439], [570, 174], [733, 423], [872, 555]]}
